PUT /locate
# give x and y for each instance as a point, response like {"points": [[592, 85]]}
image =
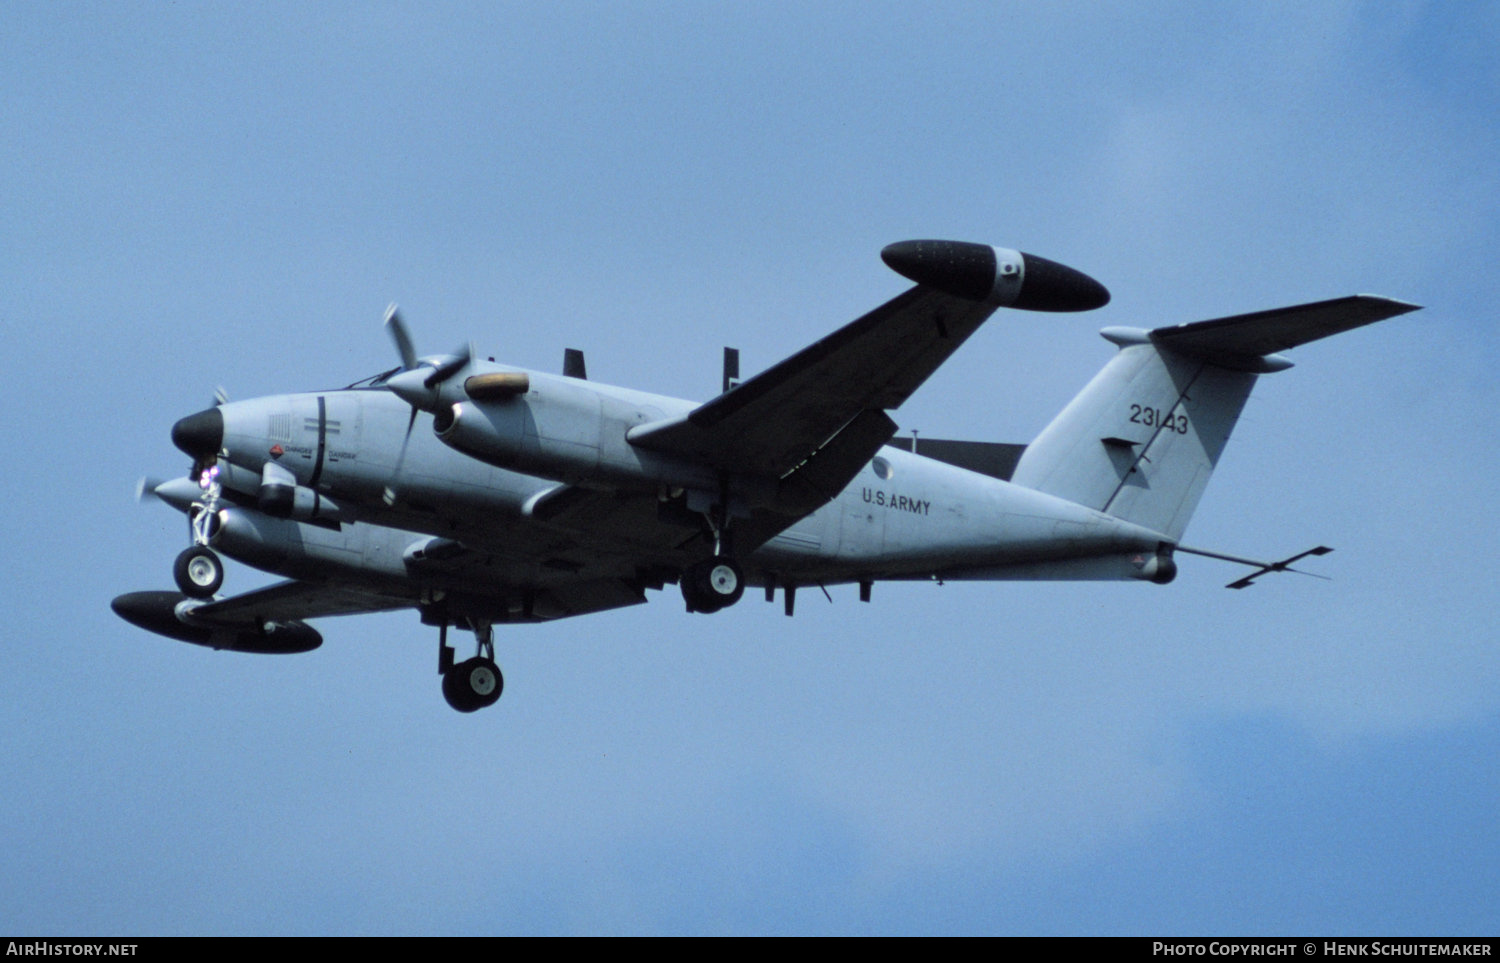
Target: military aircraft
{"points": [[481, 494]]}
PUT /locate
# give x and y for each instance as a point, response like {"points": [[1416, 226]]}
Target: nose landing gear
{"points": [[198, 571]]}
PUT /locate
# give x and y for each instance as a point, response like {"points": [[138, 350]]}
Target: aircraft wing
{"points": [[268, 620], [295, 601], [298, 601], [773, 422], [656, 532]]}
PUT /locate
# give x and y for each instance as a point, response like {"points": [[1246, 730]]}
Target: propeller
{"points": [[401, 336], [420, 379], [419, 384], [146, 488], [180, 493]]}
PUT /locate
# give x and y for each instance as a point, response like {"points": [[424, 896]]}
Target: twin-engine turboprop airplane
{"points": [[481, 494]]}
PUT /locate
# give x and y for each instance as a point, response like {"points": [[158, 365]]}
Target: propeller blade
{"points": [[448, 367], [389, 495], [401, 336], [146, 486], [220, 396]]}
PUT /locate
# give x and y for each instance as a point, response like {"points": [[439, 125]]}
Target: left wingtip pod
{"points": [[170, 614], [1010, 278]]}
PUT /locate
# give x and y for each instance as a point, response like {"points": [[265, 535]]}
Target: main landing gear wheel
{"points": [[473, 684], [198, 572], [712, 584]]}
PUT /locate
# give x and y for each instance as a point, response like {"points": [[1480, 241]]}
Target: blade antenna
{"points": [[731, 368], [1265, 568]]}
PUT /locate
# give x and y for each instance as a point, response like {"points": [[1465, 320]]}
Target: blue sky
{"points": [[197, 195]]}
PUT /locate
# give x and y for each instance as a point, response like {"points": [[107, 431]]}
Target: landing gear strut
{"points": [[198, 570], [717, 582], [474, 683]]}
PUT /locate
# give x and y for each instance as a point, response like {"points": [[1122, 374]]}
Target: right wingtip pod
{"points": [[979, 272], [1050, 286]]}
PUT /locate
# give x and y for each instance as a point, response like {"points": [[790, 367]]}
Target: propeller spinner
{"points": [[419, 384]]}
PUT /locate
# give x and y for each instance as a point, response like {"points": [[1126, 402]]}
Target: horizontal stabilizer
{"points": [[1267, 332], [995, 459]]}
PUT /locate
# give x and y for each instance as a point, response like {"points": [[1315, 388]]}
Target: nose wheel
{"points": [[198, 572]]}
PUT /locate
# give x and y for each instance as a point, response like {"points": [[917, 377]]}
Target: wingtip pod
{"points": [[1011, 278], [165, 614], [1050, 286]]}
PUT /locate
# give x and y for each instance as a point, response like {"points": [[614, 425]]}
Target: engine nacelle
{"points": [[567, 433]]}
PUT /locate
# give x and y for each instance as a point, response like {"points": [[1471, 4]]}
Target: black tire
{"points": [[198, 572], [712, 584], [473, 684], [695, 600]]}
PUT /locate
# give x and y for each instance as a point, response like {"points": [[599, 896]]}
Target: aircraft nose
{"points": [[200, 435]]}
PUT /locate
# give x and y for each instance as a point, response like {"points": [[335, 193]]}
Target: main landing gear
{"points": [[473, 683], [712, 584], [716, 582]]}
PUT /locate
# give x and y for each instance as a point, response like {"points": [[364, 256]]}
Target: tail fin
{"points": [[1141, 440]]}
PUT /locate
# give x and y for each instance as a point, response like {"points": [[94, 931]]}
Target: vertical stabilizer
{"points": [[1141, 440]]}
